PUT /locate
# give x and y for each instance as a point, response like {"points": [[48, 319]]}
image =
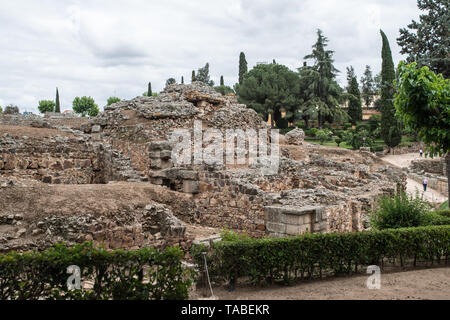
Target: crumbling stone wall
{"points": [[224, 202], [57, 160], [435, 166]]}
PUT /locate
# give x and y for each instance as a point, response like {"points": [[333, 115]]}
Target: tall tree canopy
{"points": [[85, 106], [323, 93], [57, 104], [427, 42], [423, 102], [390, 127], [270, 88], [170, 81], [193, 76], [203, 75], [242, 67], [46, 106], [354, 97], [368, 91]]}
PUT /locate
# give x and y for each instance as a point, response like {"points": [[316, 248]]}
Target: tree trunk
{"points": [[447, 158]]}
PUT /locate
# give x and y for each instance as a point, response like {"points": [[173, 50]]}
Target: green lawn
{"points": [[406, 140]]}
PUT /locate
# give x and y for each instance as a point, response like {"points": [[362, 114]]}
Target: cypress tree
{"points": [[242, 67], [222, 83], [193, 76], [390, 127], [354, 106], [182, 80], [57, 105], [149, 92]]}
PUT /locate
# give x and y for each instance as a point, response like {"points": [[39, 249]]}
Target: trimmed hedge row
{"points": [[119, 275], [287, 259]]}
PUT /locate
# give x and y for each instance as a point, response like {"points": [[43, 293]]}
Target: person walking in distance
{"points": [[425, 184], [421, 153]]}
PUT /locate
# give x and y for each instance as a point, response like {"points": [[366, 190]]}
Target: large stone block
{"points": [[276, 227]]}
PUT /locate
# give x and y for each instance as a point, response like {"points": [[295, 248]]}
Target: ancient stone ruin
{"points": [[112, 179]]}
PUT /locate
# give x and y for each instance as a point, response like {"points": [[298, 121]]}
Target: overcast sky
{"points": [[108, 48]]}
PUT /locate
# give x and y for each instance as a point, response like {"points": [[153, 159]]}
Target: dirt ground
{"points": [[424, 284]]}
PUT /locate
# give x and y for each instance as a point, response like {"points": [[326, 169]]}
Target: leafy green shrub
{"points": [[143, 274], [374, 122], [399, 211], [301, 125], [377, 148], [11, 109], [443, 212], [363, 126], [435, 218], [46, 106], [360, 139], [339, 133], [311, 132], [112, 100], [323, 135], [286, 259], [338, 141], [347, 126]]}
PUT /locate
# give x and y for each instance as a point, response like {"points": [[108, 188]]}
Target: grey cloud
{"points": [[103, 48]]}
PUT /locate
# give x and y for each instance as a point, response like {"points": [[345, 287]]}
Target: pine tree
{"points": [[222, 83], [149, 92], [242, 67], [427, 42], [390, 127], [57, 104], [322, 93], [354, 106], [193, 76], [203, 75], [170, 81], [368, 87]]}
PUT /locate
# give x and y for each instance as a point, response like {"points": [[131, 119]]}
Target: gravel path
{"points": [[409, 285], [404, 160]]}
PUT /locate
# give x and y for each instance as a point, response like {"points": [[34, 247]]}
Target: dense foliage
{"points": [[390, 126], [170, 81], [46, 106], [269, 88], [427, 42], [399, 211], [354, 97], [242, 67], [203, 75], [311, 255], [85, 106], [11, 109], [423, 102], [320, 92], [57, 103], [119, 275], [112, 100], [368, 87]]}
